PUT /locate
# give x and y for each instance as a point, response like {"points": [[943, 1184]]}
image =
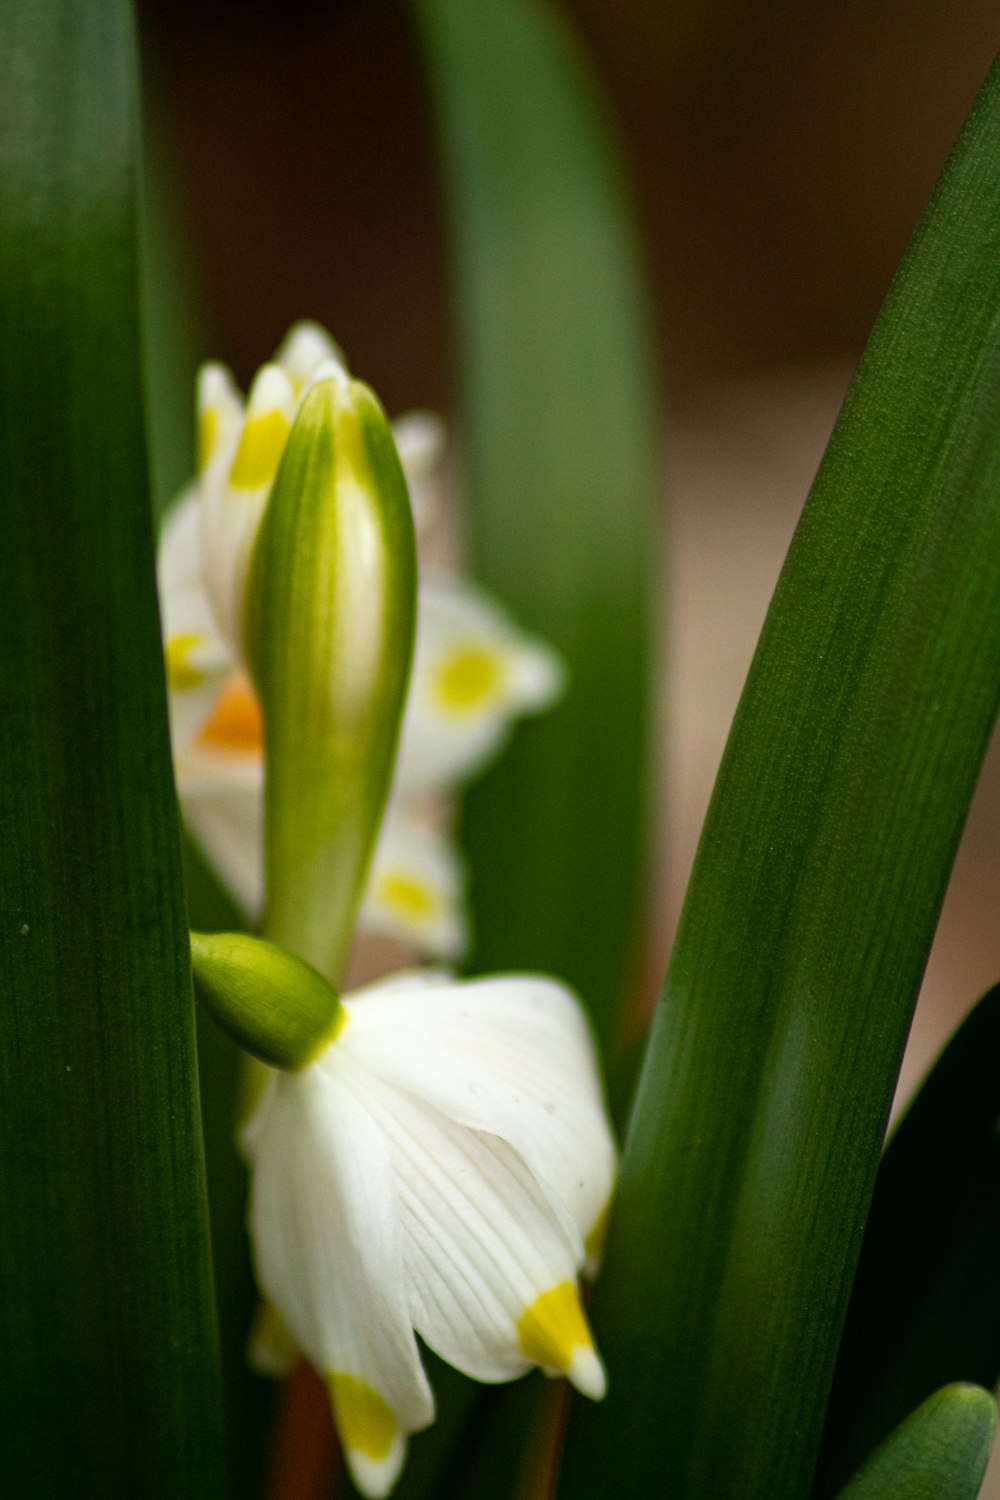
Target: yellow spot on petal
{"points": [[208, 433], [594, 1243], [262, 442], [364, 1419], [469, 678], [182, 674], [553, 1327], [236, 722], [406, 895]]}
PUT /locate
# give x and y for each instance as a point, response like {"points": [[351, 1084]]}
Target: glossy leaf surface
{"points": [[925, 1307], [756, 1133]]}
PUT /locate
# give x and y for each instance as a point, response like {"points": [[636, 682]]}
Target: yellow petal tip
{"points": [[373, 1444], [553, 1332]]}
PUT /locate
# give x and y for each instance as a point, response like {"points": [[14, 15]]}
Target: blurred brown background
{"points": [[780, 153]]}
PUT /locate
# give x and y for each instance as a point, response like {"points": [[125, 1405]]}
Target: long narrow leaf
{"points": [[755, 1137], [559, 466], [111, 1383], [939, 1453], [925, 1306]]}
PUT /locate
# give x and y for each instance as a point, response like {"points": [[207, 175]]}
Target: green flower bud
{"points": [[329, 635], [273, 1004]]}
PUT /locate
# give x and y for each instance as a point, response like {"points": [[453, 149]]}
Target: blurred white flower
{"points": [[474, 670], [441, 1168]]}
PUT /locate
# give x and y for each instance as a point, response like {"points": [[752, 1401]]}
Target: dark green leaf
{"points": [[756, 1133], [560, 471], [925, 1307], [108, 1323], [939, 1453], [172, 344]]}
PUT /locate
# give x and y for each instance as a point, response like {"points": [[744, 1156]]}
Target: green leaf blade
{"points": [[939, 1453], [109, 1324], [756, 1132], [560, 470], [924, 1306]]}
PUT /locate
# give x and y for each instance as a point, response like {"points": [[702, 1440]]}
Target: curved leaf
{"points": [[560, 464], [756, 1133], [925, 1306], [939, 1453]]}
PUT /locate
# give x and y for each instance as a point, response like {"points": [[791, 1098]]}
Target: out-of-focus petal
{"points": [[420, 441], [234, 494], [474, 673], [220, 419], [305, 348], [416, 888], [195, 655], [227, 824]]}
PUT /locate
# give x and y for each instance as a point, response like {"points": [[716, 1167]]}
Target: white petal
{"points": [[327, 1245], [420, 442], [196, 656], [474, 671], [220, 418], [415, 889], [227, 824], [491, 1252], [304, 349], [234, 499], [511, 1055]]}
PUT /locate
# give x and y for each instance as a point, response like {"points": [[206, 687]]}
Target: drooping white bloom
{"points": [[474, 670], [442, 1168]]}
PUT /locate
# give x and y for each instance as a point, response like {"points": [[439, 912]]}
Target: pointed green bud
{"points": [[330, 620], [273, 1004]]}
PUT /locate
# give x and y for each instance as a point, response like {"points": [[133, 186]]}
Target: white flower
{"points": [[440, 1169], [474, 670]]}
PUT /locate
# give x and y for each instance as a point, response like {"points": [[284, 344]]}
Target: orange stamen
{"points": [[235, 722]]}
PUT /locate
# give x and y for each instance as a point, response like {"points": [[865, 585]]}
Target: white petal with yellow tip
{"points": [[329, 1255], [416, 887], [233, 499], [388, 1199], [220, 418], [195, 656], [474, 673]]}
